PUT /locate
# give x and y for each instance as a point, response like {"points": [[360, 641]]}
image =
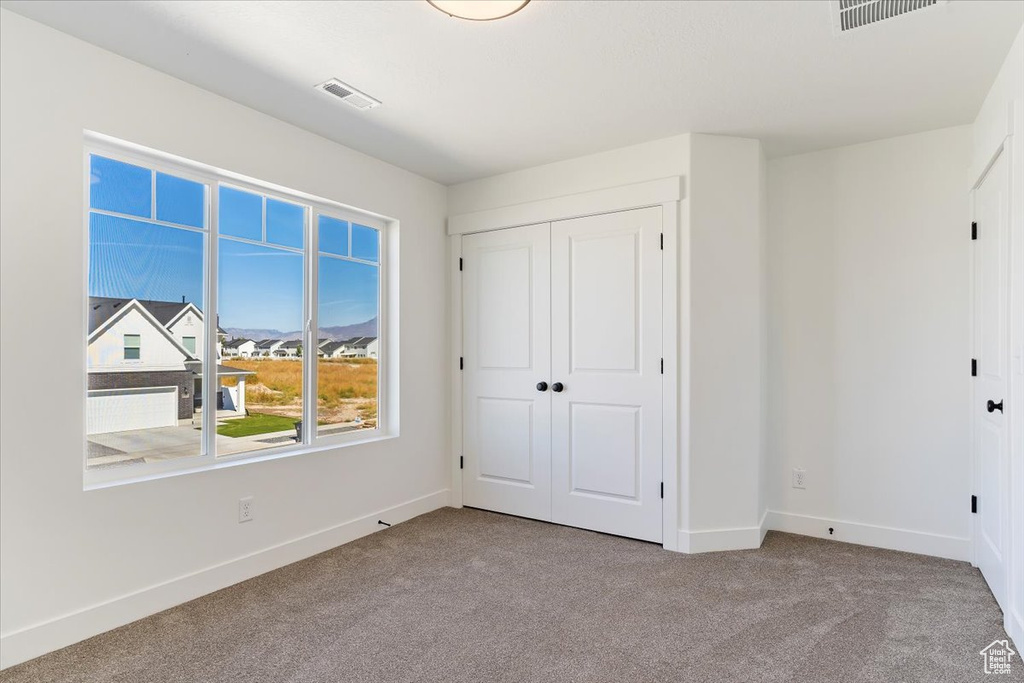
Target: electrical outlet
{"points": [[799, 478], [246, 509]]}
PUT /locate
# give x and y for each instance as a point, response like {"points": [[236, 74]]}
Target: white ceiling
{"points": [[464, 100]]}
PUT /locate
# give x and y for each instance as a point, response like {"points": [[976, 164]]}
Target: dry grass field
{"points": [[346, 388]]}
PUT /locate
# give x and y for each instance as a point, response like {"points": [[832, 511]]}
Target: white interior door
{"points": [[606, 373], [991, 348], [507, 352]]}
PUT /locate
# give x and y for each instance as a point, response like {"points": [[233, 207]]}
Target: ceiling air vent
{"points": [[848, 15], [347, 94]]}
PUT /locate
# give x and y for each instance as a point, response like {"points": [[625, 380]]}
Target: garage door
{"points": [[122, 410]]}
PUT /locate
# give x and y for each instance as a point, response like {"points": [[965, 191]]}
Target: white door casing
{"points": [[507, 352], [991, 351], [606, 343]]}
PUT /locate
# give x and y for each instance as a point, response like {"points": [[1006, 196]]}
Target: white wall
{"points": [[727, 331], [74, 562], [868, 342], [190, 325], [621, 166], [1002, 114]]}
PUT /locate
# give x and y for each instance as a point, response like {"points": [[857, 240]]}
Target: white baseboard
{"points": [[36, 640], [1014, 625], [715, 540], [950, 547]]}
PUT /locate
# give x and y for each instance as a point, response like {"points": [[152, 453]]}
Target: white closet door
{"points": [[606, 355], [991, 386], [507, 352]]}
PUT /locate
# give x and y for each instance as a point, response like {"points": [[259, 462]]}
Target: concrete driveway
{"points": [[168, 443]]}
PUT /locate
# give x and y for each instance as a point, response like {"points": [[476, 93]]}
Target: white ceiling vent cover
{"points": [[848, 15], [347, 94]]}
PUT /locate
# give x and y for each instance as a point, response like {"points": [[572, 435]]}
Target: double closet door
{"points": [[562, 372]]}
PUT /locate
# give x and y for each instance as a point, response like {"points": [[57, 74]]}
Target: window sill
{"points": [[108, 478]]}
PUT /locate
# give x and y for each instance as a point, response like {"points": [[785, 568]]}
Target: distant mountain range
{"points": [[363, 329]]}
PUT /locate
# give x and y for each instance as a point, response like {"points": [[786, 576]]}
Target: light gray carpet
{"points": [[464, 595]]}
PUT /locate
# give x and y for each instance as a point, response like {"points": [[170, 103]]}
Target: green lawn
{"points": [[256, 423]]}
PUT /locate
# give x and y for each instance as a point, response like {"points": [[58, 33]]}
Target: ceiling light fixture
{"points": [[479, 10]]}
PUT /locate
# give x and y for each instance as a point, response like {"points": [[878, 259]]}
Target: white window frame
{"points": [[387, 357], [138, 347]]}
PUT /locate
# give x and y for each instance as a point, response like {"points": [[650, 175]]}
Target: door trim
{"points": [[609, 200], [666, 193]]}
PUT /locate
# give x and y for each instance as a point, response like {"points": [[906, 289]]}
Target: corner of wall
{"points": [[763, 238], [727, 355]]}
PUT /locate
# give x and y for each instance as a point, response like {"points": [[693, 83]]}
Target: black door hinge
{"points": [[663, 366], [974, 230], [974, 367], [662, 244], [461, 462], [662, 489], [460, 263], [974, 504], [460, 362]]}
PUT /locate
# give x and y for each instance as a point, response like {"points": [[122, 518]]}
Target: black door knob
{"points": [[993, 406], [556, 387], [542, 386]]}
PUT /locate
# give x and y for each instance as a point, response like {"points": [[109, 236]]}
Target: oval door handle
{"points": [[993, 406], [556, 387], [542, 386]]}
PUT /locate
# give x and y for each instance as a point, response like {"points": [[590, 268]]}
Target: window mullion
{"points": [[209, 398], [382, 333], [312, 333]]}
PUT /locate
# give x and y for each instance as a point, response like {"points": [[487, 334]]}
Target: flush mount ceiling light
{"points": [[479, 10]]}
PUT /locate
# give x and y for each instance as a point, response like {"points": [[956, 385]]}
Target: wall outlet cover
{"points": [[246, 509], [799, 478]]}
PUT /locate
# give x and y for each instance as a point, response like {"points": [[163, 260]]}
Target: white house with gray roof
{"points": [[145, 363], [239, 348]]}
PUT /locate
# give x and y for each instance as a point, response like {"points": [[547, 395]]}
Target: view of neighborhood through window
{"points": [[148, 237], [260, 292], [146, 251], [347, 314]]}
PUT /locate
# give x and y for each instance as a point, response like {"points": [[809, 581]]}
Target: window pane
{"points": [[261, 298], [132, 342], [144, 389], [333, 235], [347, 367], [285, 223], [140, 260], [120, 187], [180, 201], [189, 343], [240, 214], [365, 243]]}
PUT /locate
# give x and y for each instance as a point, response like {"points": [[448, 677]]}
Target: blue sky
{"points": [[259, 286]]}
